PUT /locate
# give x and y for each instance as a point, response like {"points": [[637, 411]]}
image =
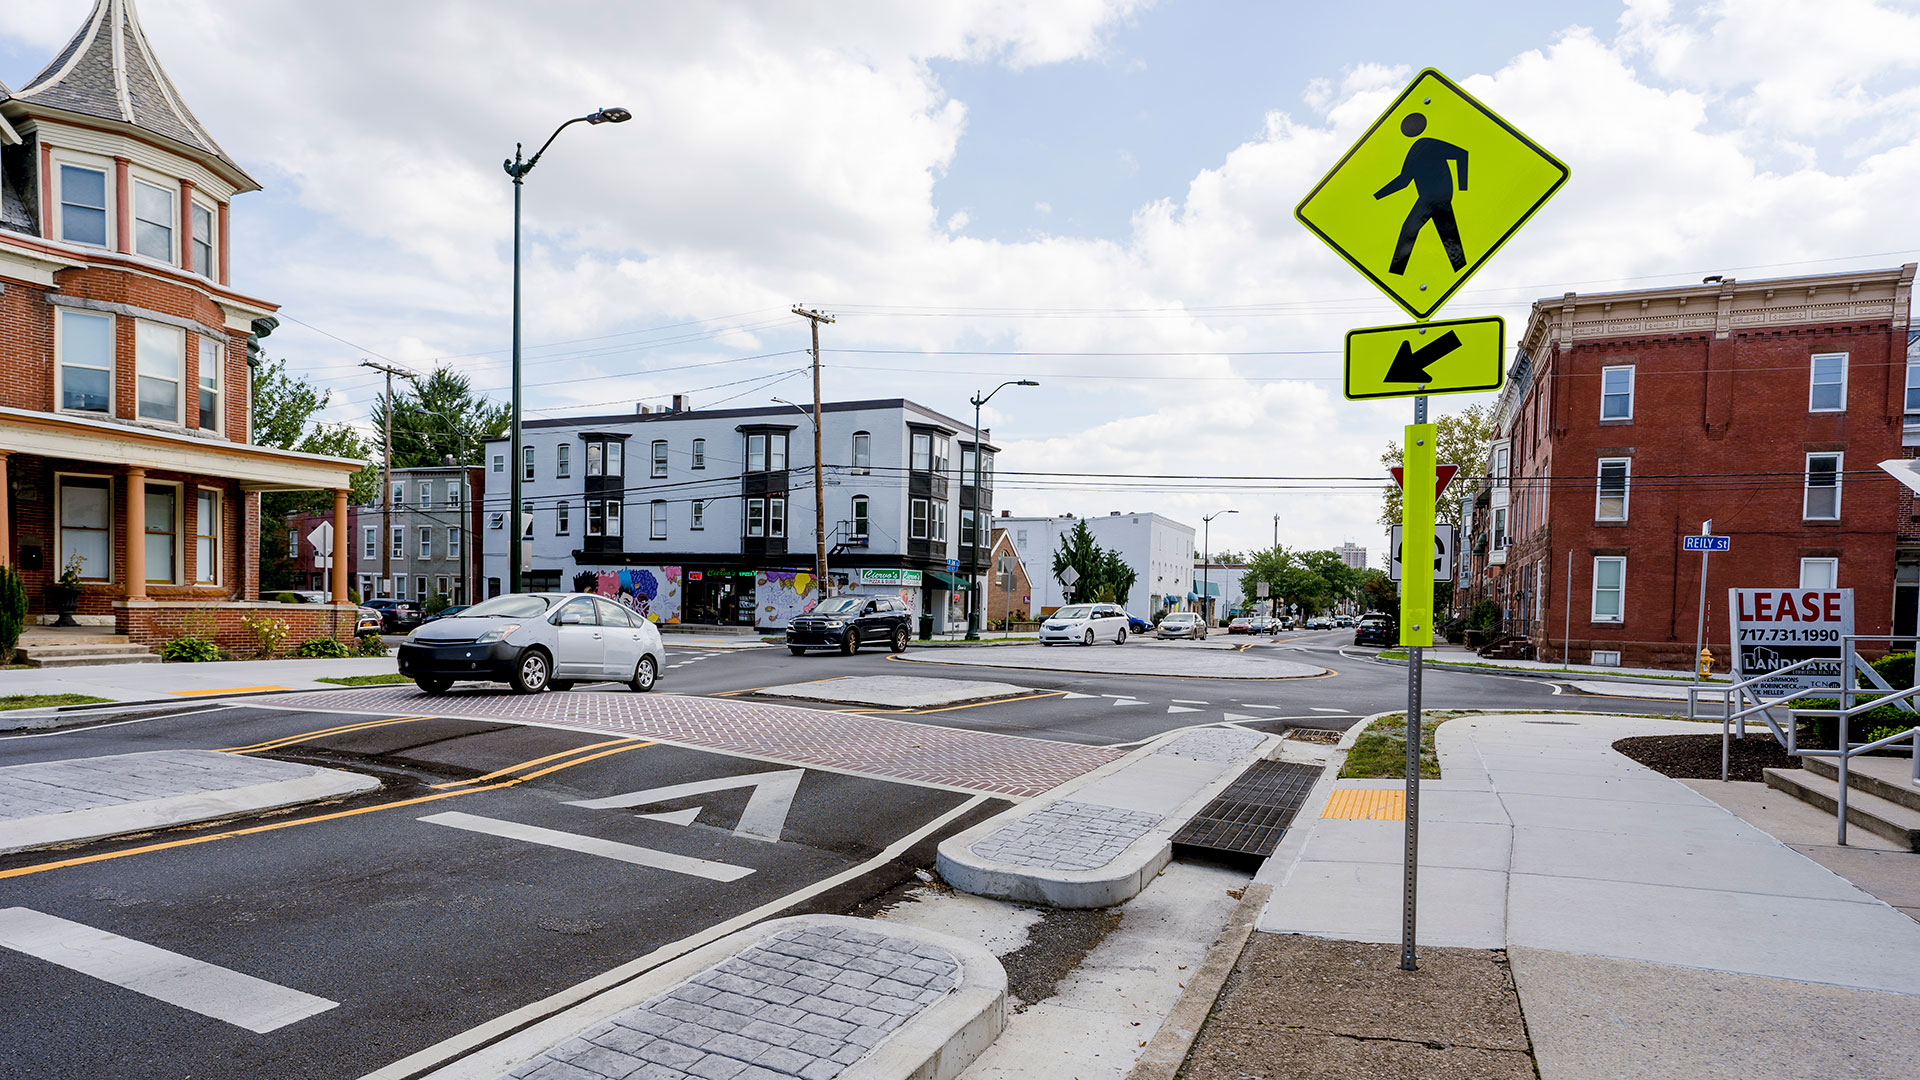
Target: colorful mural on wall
{"points": [[653, 591], [779, 595]]}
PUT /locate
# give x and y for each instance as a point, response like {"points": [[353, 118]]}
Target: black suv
{"points": [[848, 622], [395, 615], [1376, 628]]}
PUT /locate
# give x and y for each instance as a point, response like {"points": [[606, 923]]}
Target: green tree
{"points": [[1079, 551], [1313, 580], [1377, 591], [1116, 576], [284, 407], [440, 417], [1463, 440]]}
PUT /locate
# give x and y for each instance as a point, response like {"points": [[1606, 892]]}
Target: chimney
{"points": [[1006, 513], [679, 403]]}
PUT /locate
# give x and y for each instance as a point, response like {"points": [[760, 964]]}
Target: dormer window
{"points": [[83, 205], [153, 219]]}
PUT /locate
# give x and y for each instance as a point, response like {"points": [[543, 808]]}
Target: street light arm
{"points": [[979, 401], [803, 410]]}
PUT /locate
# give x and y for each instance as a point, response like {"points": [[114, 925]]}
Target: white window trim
{"points": [[563, 461], [1632, 380], [104, 166], [500, 463], [615, 514], [399, 541], [1834, 576], [699, 520], [426, 541], [777, 522], [918, 523], [497, 520], [1812, 367], [453, 541], [657, 520], [219, 390], [1806, 483], [563, 519], [1593, 601], [859, 469], [212, 271], [59, 363], [596, 511], [699, 453], [113, 523], [179, 380], [370, 542], [219, 523], [861, 509], [528, 461], [171, 188], [1599, 491], [179, 567], [454, 499], [616, 457], [752, 530], [658, 459], [761, 438]]}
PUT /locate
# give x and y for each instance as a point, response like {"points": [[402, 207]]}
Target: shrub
{"points": [[324, 648], [353, 596], [13, 611], [187, 649], [269, 634], [201, 622], [1896, 668], [1484, 617], [1866, 727], [371, 645], [435, 604]]}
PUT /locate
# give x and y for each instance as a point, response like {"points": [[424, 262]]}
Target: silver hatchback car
{"points": [[535, 642]]}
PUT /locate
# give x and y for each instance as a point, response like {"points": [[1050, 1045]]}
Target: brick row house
{"points": [[1629, 418], [125, 434]]}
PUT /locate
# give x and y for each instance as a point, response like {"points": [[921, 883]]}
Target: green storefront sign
{"points": [[872, 576]]}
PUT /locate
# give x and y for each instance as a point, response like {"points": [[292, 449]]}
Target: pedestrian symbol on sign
{"points": [[1426, 168]]}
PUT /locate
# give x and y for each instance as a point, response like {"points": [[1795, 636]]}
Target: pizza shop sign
{"points": [[1776, 628]]}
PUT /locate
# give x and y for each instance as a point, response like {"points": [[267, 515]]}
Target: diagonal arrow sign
{"points": [[1410, 364], [766, 811]]}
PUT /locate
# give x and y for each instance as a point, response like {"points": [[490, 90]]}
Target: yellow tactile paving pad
{"points": [[1367, 804]]}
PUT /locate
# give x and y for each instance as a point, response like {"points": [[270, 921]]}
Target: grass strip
{"points": [[48, 701], [367, 680], [1380, 753]]}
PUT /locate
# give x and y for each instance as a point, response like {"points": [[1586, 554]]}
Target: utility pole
{"points": [[819, 467], [386, 475]]}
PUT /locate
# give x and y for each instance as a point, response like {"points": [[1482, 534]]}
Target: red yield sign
{"points": [[1442, 475]]}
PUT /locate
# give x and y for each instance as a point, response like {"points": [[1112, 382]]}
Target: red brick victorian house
{"points": [[125, 441]]}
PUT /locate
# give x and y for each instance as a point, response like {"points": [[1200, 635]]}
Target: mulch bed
{"points": [[1697, 757]]}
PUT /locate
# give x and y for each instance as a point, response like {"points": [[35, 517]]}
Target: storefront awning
{"points": [[940, 579]]}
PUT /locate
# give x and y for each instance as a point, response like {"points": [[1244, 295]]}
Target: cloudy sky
{"points": [[1093, 193]]}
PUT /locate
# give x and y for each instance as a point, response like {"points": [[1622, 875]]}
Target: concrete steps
{"points": [[1889, 778], [1898, 821], [81, 650]]}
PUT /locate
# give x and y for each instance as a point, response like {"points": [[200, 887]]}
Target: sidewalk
{"points": [[1456, 655], [183, 682], [1647, 931]]}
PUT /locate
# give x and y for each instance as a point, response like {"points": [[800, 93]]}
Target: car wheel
{"points": [[531, 672], [559, 686], [796, 650], [1088, 639], [1121, 638], [899, 643], [644, 675], [433, 687], [851, 644]]}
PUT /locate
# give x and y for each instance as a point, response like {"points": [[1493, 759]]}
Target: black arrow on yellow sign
{"points": [[1410, 366]]}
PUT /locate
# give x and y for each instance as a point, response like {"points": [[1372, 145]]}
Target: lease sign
{"points": [[1776, 628]]}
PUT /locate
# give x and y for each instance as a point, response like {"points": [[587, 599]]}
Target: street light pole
{"points": [[518, 168], [1206, 561], [973, 550], [819, 468]]}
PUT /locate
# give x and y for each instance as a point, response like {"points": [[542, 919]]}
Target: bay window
{"points": [[917, 519], [158, 357], [776, 517], [615, 452], [153, 220], [203, 241], [83, 205], [209, 384], [613, 517], [756, 517], [596, 458], [86, 362]]}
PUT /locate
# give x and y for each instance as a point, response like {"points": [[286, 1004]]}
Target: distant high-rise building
{"points": [[1353, 555]]}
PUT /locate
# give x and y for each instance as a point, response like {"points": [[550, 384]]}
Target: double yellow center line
{"points": [[493, 781]]}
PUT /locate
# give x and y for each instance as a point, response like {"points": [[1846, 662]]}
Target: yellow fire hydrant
{"points": [[1706, 662]]}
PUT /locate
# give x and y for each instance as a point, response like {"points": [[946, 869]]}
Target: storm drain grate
{"points": [[1250, 816]]}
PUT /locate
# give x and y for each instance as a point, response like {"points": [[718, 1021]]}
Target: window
{"points": [[203, 242], [756, 517], [1611, 503], [83, 205], [453, 542], [1913, 389], [86, 362], [426, 542], [615, 466], [1616, 393], [527, 518], [596, 517], [1819, 573], [967, 460], [562, 519], [1827, 389], [86, 526], [756, 453], [922, 452], [369, 543], [499, 463], [153, 220], [1822, 501], [158, 353], [1499, 528], [777, 452], [440, 585], [293, 543], [596, 458], [986, 468], [399, 493], [1609, 588], [420, 589], [657, 520], [1020, 537], [563, 460], [966, 527], [613, 517], [699, 453], [659, 458], [1502, 464], [496, 521], [209, 384], [453, 494], [699, 515], [399, 547], [426, 495], [526, 463], [862, 453], [938, 528], [399, 587], [163, 533], [917, 518], [941, 452], [777, 517], [859, 517]]}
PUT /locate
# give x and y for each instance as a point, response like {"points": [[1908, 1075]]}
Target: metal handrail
{"points": [[1728, 715], [1843, 748]]}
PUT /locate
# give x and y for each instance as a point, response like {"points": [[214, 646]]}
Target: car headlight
{"points": [[498, 633], [835, 624]]}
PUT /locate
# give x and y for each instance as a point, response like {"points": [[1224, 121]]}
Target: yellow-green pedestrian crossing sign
{"points": [[1429, 193], [1447, 356]]}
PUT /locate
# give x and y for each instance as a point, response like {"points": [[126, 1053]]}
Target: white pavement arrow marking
{"points": [[1070, 695], [1188, 701], [1129, 701], [677, 817], [766, 811], [1232, 716], [196, 985], [1323, 708], [1180, 708], [592, 845]]}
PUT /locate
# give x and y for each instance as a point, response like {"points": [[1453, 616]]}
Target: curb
{"points": [[938, 1043], [1531, 673], [1168, 1049], [65, 716], [1121, 878]]}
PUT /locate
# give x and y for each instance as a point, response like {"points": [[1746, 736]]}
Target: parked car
{"points": [[370, 622], [1183, 624], [1138, 625], [1344, 621], [1085, 623], [396, 615], [447, 612], [1319, 622], [1375, 628], [1245, 625], [848, 622], [535, 642]]}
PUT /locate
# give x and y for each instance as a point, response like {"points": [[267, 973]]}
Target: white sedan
{"points": [[1085, 624]]}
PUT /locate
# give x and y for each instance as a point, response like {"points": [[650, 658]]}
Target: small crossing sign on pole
{"points": [[1429, 193], [1452, 357]]}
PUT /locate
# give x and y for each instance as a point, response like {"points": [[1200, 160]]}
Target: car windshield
{"points": [[1077, 611], [511, 606], [1178, 618], [840, 605]]}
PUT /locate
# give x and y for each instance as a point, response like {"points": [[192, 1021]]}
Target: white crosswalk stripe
{"points": [[592, 845]]}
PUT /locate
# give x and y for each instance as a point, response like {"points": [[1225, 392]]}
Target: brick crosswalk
{"points": [[872, 746]]}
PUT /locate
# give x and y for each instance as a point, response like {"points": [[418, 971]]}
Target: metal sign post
{"points": [[1700, 621], [1416, 631]]}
